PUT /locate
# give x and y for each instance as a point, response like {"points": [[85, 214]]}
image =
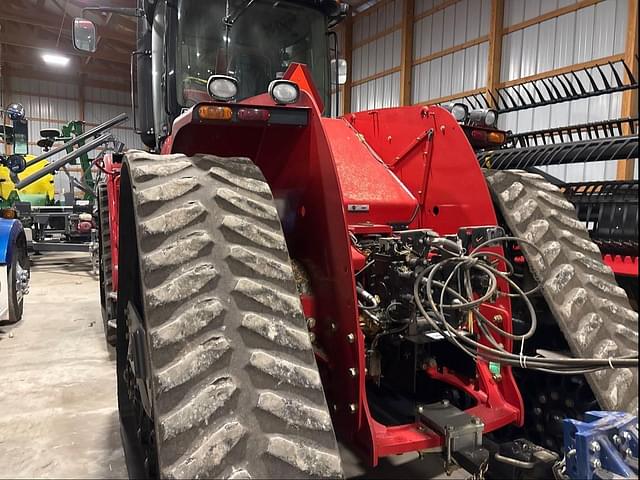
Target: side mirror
{"points": [[20, 137], [339, 71], [84, 35]]}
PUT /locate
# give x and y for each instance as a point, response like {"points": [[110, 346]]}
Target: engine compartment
{"points": [[402, 344]]}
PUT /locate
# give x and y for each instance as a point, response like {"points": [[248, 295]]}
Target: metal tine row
{"points": [[557, 88], [571, 133], [595, 150], [610, 210]]}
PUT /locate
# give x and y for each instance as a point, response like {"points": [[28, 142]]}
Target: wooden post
{"points": [[406, 58], [348, 51], [495, 49], [630, 97]]}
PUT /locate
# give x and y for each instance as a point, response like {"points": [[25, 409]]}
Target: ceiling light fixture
{"points": [[55, 59]]}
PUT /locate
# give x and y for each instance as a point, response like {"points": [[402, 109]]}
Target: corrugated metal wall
{"points": [[376, 57], [52, 104], [451, 49], [437, 73], [589, 33]]}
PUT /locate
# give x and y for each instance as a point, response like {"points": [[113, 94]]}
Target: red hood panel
{"points": [[367, 184]]}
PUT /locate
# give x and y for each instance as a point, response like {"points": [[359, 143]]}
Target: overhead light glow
{"points": [[54, 59]]}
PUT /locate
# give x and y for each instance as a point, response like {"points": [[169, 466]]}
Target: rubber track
{"points": [[592, 311], [236, 390]]}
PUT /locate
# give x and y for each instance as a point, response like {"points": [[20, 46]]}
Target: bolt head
{"points": [[353, 408], [594, 447], [616, 440], [351, 338], [542, 399], [420, 409], [596, 463], [444, 402], [312, 337], [334, 327], [497, 318], [311, 322], [628, 452], [353, 372], [626, 435]]}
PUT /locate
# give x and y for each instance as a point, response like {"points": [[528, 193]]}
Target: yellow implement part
{"points": [[44, 186]]}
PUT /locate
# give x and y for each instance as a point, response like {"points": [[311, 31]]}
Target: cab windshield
{"points": [[256, 49]]}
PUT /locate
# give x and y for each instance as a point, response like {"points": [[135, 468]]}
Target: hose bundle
{"points": [[426, 288]]}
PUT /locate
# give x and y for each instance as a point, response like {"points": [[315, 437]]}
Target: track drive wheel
{"points": [[589, 308], [107, 303], [216, 373]]}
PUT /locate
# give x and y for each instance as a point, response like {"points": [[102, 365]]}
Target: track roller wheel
{"points": [[216, 373]]}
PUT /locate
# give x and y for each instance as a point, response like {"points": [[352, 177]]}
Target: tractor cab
{"points": [[184, 44]]}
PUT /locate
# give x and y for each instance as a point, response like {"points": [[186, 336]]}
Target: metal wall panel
{"points": [[518, 11], [464, 21], [377, 56], [383, 92], [374, 54], [576, 37], [453, 73], [454, 25], [368, 24], [583, 35]]}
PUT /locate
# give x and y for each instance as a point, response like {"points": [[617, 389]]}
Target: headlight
{"points": [[459, 110], [222, 87], [484, 118], [284, 91]]}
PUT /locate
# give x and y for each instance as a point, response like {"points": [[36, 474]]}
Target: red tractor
{"points": [[271, 275]]}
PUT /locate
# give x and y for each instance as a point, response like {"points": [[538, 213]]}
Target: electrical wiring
{"points": [[465, 265]]}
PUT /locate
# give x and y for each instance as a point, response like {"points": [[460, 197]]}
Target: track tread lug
{"points": [[231, 363], [592, 312]]}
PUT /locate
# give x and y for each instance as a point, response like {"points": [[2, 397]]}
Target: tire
{"points": [[592, 312], [104, 266], [16, 300], [232, 380]]}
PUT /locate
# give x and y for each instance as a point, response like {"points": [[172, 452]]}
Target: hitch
{"points": [[462, 436]]}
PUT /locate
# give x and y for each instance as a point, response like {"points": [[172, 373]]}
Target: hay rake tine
{"points": [[566, 86]]}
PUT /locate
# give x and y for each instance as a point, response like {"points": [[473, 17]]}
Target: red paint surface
{"points": [[411, 165], [622, 265], [112, 170]]}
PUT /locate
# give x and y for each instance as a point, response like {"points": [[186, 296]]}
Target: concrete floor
{"points": [[58, 415]]}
